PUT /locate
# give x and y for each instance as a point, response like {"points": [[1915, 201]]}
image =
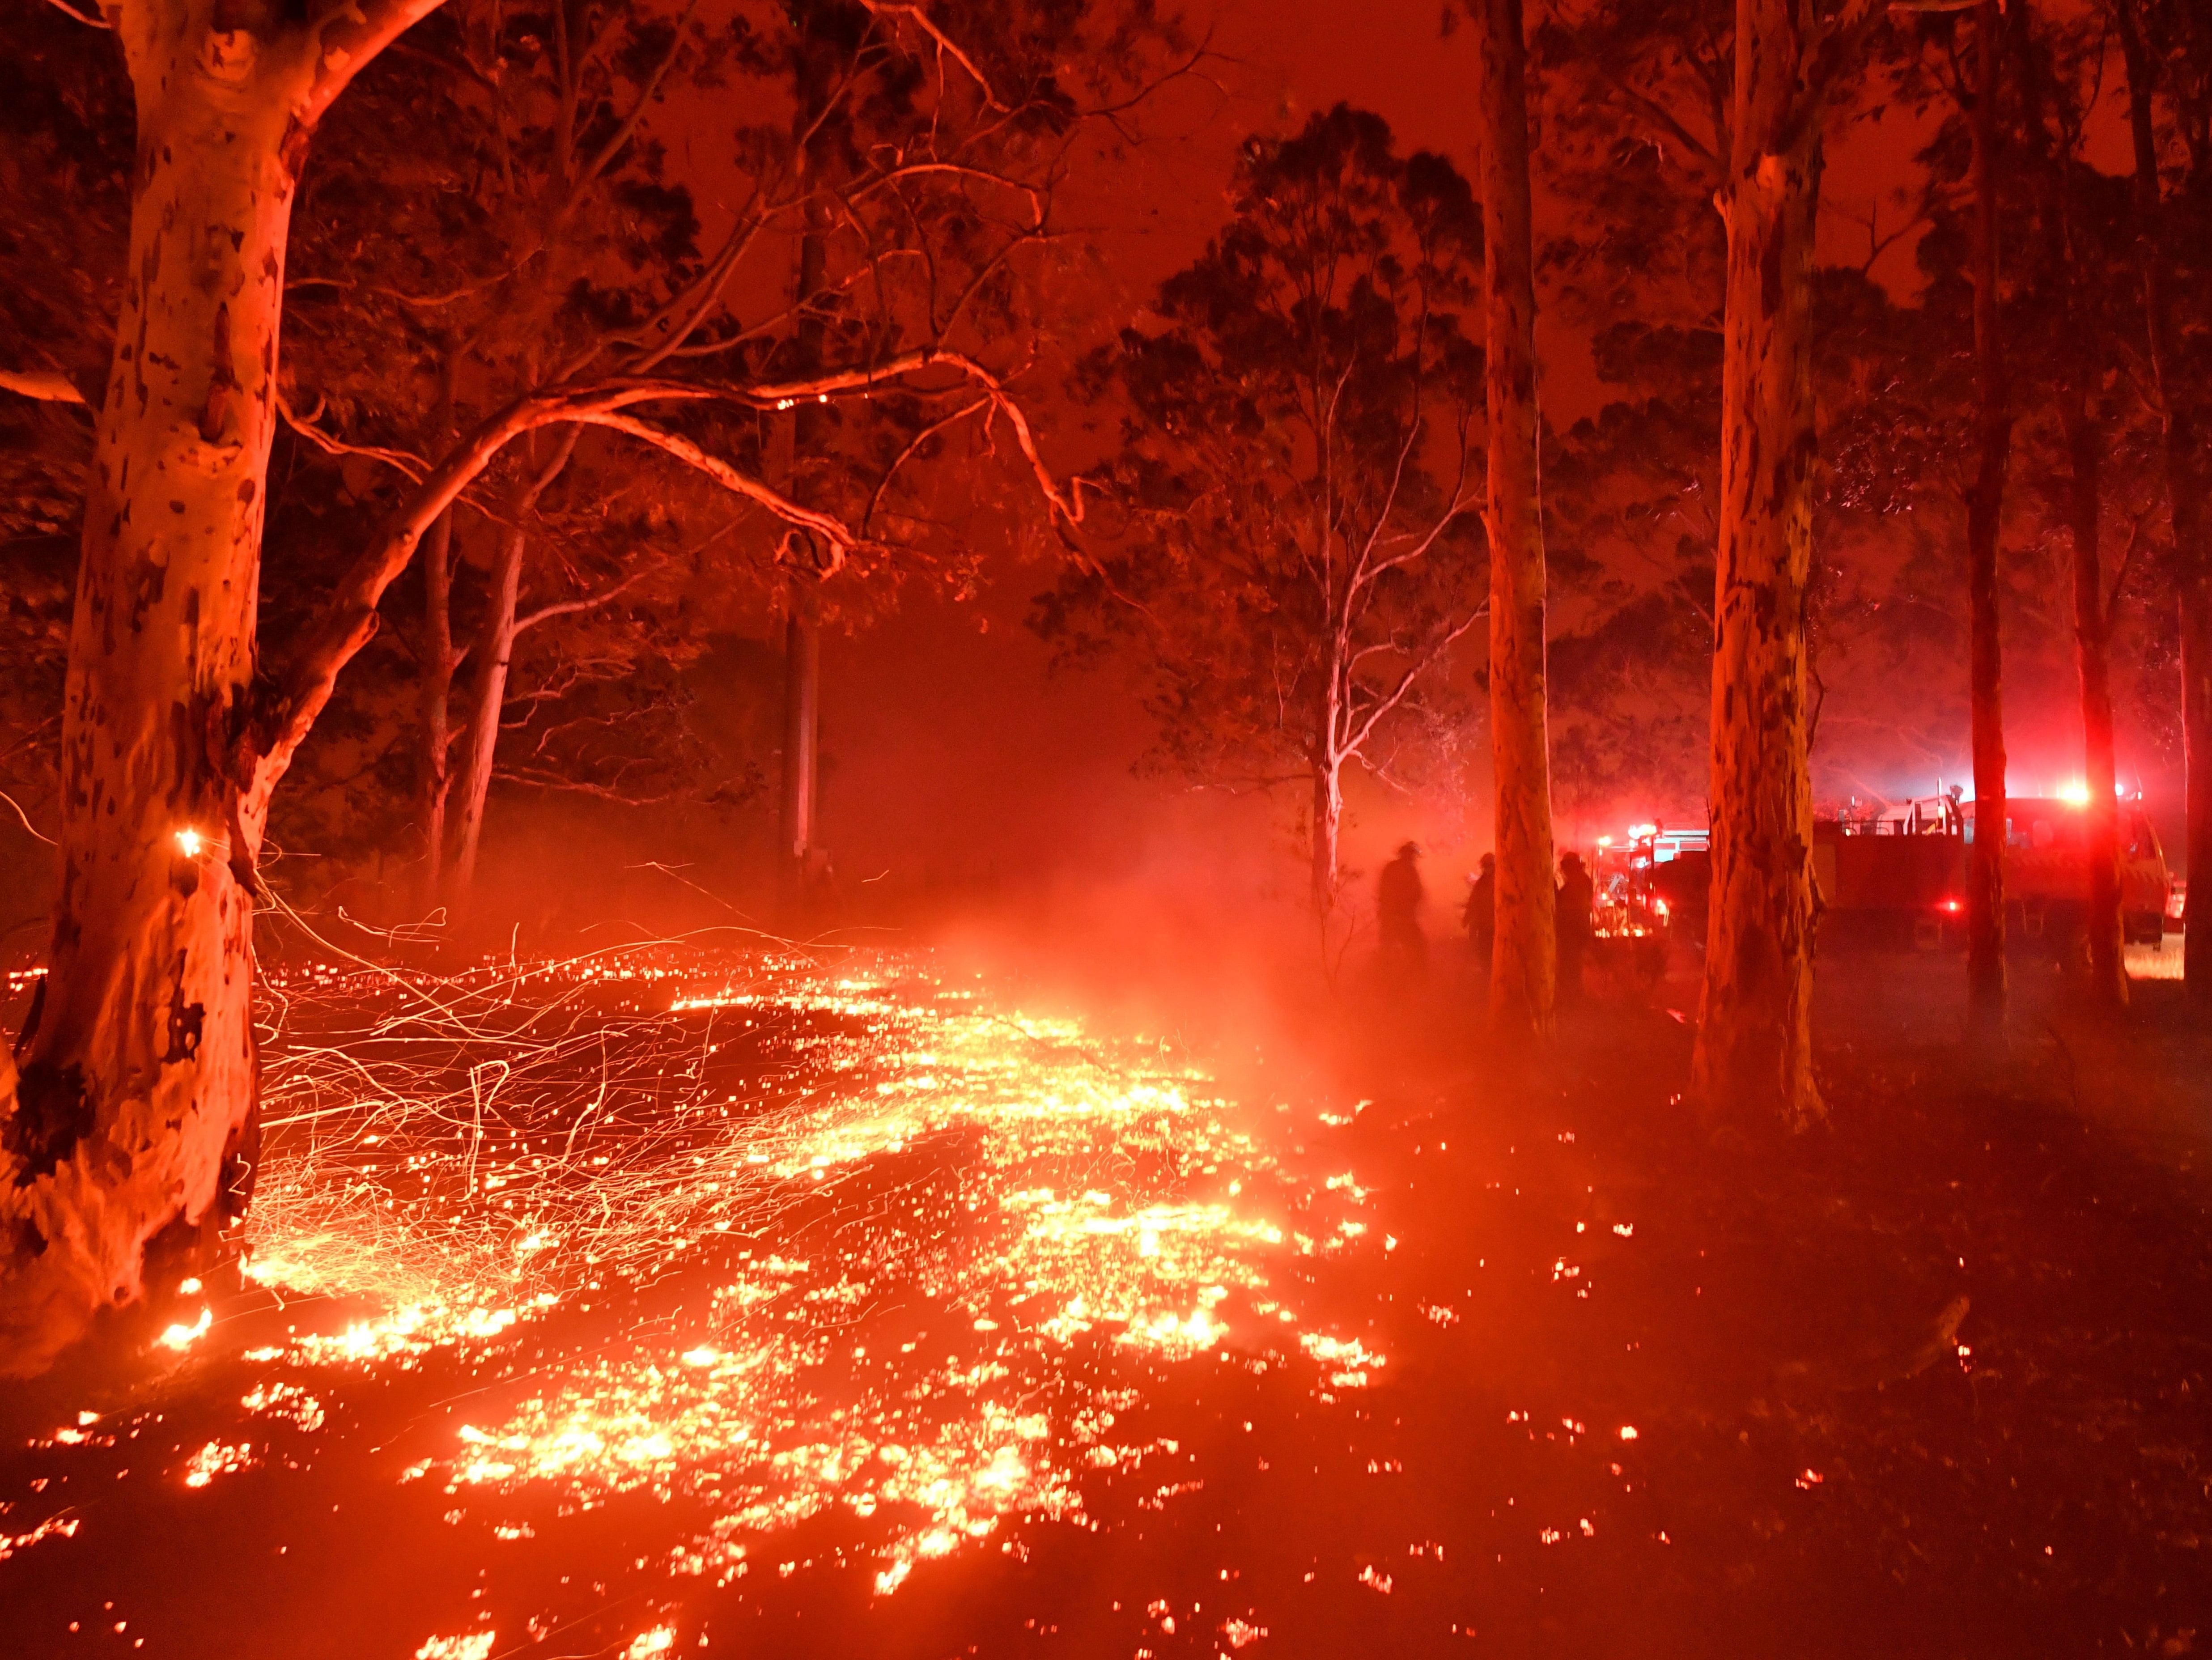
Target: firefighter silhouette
{"points": [[1397, 911], [1577, 894], [1481, 917]]}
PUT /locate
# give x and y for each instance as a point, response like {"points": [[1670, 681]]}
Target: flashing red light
{"points": [[1953, 906]]}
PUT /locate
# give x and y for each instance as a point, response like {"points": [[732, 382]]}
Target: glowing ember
{"points": [[54, 1527], [215, 1459], [182, 1337], [805, 1243]]}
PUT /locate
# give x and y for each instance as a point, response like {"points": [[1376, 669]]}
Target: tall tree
{"points": [[1523, 955], [814, 64], [2179, 61], [1985, 895], [1754, 1038], [1296, 447], [128, 1124], [2076, 294]]}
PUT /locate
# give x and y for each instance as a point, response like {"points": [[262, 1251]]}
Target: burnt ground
{"points": [[1928, 1380]]}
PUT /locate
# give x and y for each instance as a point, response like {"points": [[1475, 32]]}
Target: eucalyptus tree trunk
{"points": [[1524, 956], [2187, 494], [802, 691], [434, 701], [2108, 973], [1985, 893], [1328, 826], [810, 432], [128, 1137], [495, 653], [495, 649], [1753, 1052], [2196, 597]]}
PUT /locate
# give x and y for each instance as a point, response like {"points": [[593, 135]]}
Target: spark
{"points": [[482, 1158]]}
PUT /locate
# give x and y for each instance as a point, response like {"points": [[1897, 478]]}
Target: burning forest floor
{"points": [[682, 1299]]}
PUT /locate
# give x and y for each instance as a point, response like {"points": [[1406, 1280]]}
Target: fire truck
{"points": [[1894, 876], [1651, 887]]}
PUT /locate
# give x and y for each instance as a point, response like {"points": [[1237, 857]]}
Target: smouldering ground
{"points": [[672, 1300], [720, 1257]]}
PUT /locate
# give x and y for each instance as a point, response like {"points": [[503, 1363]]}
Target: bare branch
{"points": [[2127, 564], [946, 46], [569, 607], [25, 818], [1839, 44], [42, 386], [911, 169], [413, 467], [906, 454], [546, 778], [622, 135], [830, 528], [351, 620], [1356, 738], [1653, 110], [347, 37], [69, 11], [675, 321]]}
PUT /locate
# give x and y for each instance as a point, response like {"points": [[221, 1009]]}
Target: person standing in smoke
{"points": [[1577, 894], [1397, 908], [1481, 917]]}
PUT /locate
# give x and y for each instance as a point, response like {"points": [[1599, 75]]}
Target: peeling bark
{"points": [[136, 1080], [128, 1131], [1523, 961], [1753, 1053]]}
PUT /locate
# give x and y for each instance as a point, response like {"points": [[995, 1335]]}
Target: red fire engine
{"points": [[1895, 876]]}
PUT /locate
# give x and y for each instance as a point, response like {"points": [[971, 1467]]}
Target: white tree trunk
{"points": [[128, 1128], [133, 1131], [488, 700], [1328, 826], [435, 702]]}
